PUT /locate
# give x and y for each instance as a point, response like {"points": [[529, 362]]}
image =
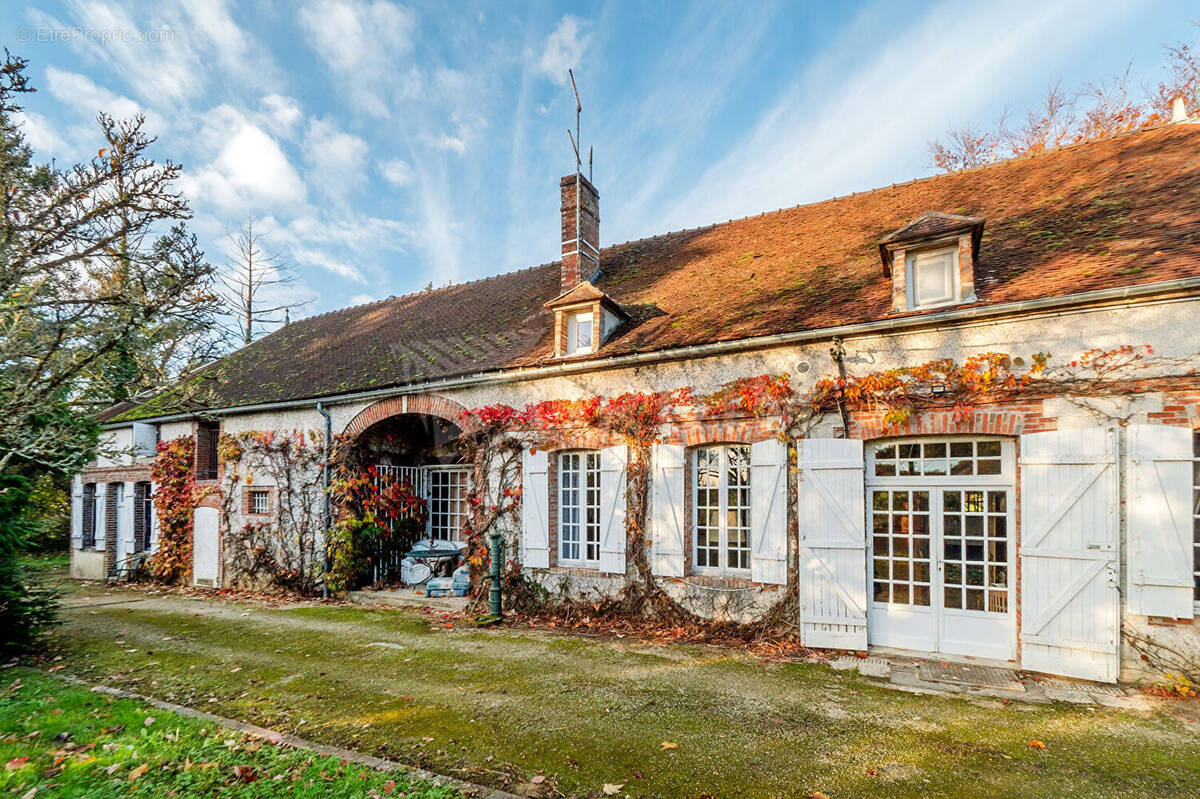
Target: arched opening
{"points": [[418, 475]]}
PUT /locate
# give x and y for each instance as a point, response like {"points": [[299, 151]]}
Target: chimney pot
{"points": [[580, 230], [1178, 109]]}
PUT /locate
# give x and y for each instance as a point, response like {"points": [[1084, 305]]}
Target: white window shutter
{"points": [[125, 521], [153, 489], [535, 506], [666, 506], [612, 509], [1069, 603], [76, 513], [768, 512], [1159, 499], [101, 523], [833, 543]]}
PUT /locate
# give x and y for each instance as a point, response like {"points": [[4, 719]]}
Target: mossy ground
{"points": [[498, 706]]}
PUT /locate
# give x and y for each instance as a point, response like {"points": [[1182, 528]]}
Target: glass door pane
{"points": [[901, 554], [975, 550]]}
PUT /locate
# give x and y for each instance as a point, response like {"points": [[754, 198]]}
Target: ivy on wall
{"points": [[284, 549], [497, 434], [176, 495]]}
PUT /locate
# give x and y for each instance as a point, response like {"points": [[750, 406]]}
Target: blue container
{"points": [[462, 581], [439, 586]]}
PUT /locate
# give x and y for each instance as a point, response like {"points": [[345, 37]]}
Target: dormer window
{"points": [[934, 278], [579, 333], [584, 318], [931, 261]]}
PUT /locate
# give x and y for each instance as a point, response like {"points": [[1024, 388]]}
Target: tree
{"points": [[1095, 110], [253, 273], [104, 294]]}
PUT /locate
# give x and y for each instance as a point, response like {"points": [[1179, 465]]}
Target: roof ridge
{"points": [[940, 175]]}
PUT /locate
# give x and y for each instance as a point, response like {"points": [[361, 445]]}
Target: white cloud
{"points": [[88, 99], [280, 113], [363, 44], [445, 141], [336, 160], [397, 172], [361, 299], [41, 136], [563, 49], [330, 263], [166, 70], [249, 172], [237, 52]]}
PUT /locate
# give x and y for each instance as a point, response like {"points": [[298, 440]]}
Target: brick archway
{"points": [[1001, 420], [426, 404]]}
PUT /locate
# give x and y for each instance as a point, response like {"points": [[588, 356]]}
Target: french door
{"points": [[940, 512]]}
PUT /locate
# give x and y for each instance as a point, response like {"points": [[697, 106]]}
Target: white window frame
{"points": [[579, 472], [265, 496], [722, 568], [913, 259], [455, 497], [575, 322], [1196, 520]]}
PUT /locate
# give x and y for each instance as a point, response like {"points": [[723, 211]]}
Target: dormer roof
{"points": [[586, 292], [930, 226]]}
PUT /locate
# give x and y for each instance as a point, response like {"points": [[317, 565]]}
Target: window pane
{"points": [[933, 279]]}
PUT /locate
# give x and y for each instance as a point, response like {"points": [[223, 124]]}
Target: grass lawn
{"points": [[62, 740], [500, 706]]}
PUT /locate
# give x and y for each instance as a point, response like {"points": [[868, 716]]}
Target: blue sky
{"points": [[385, 145]]}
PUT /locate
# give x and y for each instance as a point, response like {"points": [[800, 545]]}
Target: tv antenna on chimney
{"points": [[575, 139]]}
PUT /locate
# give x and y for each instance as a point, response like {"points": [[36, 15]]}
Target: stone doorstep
{"points": [[286, 739], [969, 675]]}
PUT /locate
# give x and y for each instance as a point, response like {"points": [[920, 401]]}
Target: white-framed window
{"points": [[579, 333], [579, 507], [1196, 517], [260, 501], [939, 458], [932, 278], [721, 509], [447, 502]]}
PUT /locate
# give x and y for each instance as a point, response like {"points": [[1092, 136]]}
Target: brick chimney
{"points": [[580, 231]]}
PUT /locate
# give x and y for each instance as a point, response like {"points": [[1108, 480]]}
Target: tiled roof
{"points": [[1108, 213]]}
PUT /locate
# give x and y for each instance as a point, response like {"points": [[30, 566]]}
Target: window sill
{"points": [[738, 575]]}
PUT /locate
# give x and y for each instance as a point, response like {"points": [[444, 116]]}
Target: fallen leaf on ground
{"points": [[16, 762], [137, 772], [1036, 744], [612, 790], [111, 770], [669, 745], [538, 779], [245, 774], [149, 720], [817, 795], [389, 787], [115, 728]]}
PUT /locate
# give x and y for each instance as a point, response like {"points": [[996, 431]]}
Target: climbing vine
{"points": [[282, 549], [498, 433], [175, 497]]}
